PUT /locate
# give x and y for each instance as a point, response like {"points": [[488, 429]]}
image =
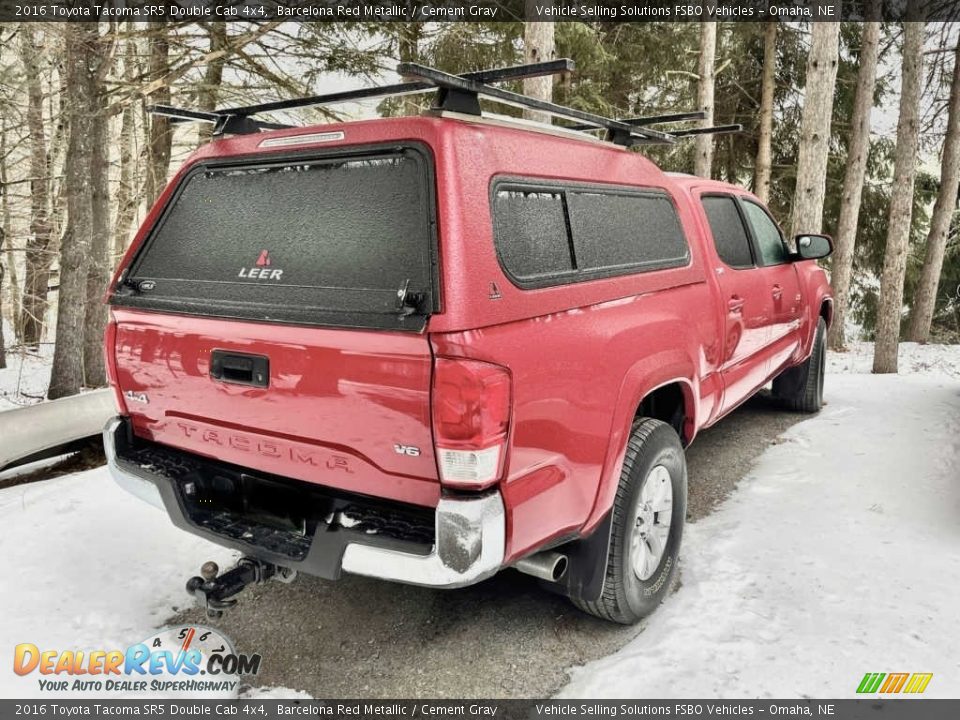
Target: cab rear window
{"points": [[333, 240]]}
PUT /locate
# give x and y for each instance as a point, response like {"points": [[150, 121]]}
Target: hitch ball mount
{"points": [[217, 593]]}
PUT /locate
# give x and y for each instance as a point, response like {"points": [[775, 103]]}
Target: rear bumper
{"points": [[468, 539]]}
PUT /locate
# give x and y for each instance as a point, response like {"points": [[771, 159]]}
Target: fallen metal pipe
{"points": [[549, 566], [52, 428]]}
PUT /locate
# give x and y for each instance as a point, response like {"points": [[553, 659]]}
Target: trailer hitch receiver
{"points": [[217, 593]]}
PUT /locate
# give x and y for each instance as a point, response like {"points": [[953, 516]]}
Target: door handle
{"points": [[240, 368], [777, 292], [735, 303]]}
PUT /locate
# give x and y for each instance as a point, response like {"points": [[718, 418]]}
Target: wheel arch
{"points": [[656, 384], [826, 310], [585, 579]]}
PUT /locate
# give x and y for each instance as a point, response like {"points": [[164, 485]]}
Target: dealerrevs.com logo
{"points": [[186, 661]]}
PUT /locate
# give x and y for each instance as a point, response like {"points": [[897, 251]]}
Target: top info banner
{"points": [[467, 11]]}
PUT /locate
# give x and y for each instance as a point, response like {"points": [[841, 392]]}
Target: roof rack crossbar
{"points": [[236, 120], [223, 122], [649, 120], [331, 98], [182, 114], [618, 132], [512, 72], [458, 93], [519, 72], [716, 130]]}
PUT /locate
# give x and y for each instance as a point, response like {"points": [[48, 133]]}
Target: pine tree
{"points": [[80, 59], [99, 264], [538, 46], [159, 131], [815, 127], [703, 144], [38, 256], [901, 200], [761, 177], [921, 313], [858, 148]]}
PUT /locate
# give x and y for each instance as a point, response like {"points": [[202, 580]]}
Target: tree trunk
{"points": [[538, 46], [409, 35], [3, 351], [3, 272], [761, 178], [56, 156], [703, 144], [6, 230], [127, 200], [38, 256], [99, 264], [901, 198], [159, 133], [815, 127], [213, 77], [921, 314], [66, 377], [858, 148]]}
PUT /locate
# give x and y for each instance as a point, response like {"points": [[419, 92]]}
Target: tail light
{"points": [[471, 419], [110, 355]]}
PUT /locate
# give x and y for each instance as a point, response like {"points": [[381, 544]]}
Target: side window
{"points": [[765, 230], [550, 234], [612, 231], [531, 233], [729, 234]]}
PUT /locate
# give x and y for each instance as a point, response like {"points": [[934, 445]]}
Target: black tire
{"points": [[626, 597], [800, 388]]}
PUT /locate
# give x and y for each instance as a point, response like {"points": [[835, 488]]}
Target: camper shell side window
{"points": [[552, 233]]}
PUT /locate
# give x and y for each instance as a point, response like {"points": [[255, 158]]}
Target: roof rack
{"points": [[461, 94]]}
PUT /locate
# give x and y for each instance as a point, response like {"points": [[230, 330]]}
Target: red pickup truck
{"points": [[428, 349]]}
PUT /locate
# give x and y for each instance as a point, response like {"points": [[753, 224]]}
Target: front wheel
{"points": [[647, 525], [800, 388]]}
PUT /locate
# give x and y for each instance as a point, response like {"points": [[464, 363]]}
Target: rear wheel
{"points": [[800, 388], [647, 525]]}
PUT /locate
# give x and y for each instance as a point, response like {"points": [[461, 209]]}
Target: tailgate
{"points": [[348, 409], [274, 318]]}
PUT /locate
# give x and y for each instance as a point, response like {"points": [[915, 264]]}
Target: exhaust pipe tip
{"points": [[548, 566], [560, 568]]}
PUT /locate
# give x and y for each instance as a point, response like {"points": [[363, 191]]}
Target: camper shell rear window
{"points": [[334, 239]]}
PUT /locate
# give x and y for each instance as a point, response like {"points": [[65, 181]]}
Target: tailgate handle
{"points": [[240, 368]]}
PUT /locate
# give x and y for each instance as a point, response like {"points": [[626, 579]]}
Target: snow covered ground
{"points": [[85, 565], [912, 359], [838, 555], [25, 379]]}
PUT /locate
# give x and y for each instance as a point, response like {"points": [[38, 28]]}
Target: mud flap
{"points": [[791, 380], [587, 558]]}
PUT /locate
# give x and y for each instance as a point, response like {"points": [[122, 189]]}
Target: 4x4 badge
{"points": [[137, 397]]}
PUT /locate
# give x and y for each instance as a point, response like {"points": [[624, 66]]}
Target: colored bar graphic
{"points": [[893, 683], [871, 682], [918, 682]]}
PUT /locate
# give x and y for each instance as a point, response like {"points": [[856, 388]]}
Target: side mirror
{"points": [[813, 247]]}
